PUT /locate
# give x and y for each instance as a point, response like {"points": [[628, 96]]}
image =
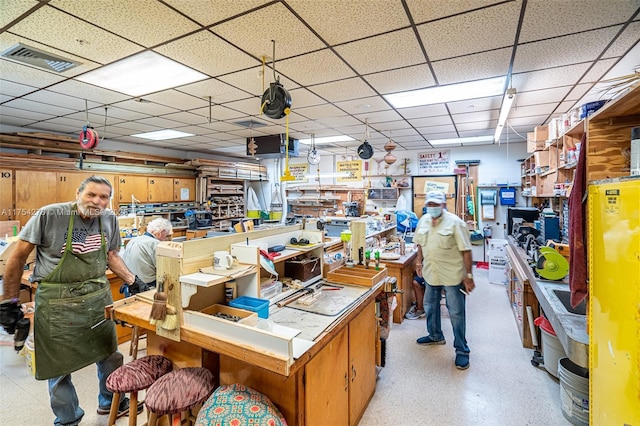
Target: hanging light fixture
{"points": [[507, 102], [313, 157]]}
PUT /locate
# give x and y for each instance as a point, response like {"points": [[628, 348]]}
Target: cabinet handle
{"points": [[346, 381], [353, 373]]}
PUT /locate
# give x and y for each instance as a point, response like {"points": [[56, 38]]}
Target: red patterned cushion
{"points": [[138, 374], [180, 390], [239, 405]]}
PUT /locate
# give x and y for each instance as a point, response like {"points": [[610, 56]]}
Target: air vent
{"points": [[250, 124], [38, 58]]}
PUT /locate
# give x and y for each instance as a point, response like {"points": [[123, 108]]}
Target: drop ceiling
{"points": [[336, 58]]}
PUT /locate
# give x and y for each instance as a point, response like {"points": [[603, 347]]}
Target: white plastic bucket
{"points": [[574, 392], [552, 351]]}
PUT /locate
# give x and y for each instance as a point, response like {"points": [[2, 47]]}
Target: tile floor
{"points": [[419, 384]]}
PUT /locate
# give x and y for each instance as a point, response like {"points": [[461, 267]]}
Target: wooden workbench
{"points": [[402, 269]]}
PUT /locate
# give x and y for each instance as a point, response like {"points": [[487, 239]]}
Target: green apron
{"points": [[70, 328]]}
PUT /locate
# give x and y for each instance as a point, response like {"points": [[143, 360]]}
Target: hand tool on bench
{"points": [[295, 296]]}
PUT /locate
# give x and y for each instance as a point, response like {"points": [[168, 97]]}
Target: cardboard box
{"points": [[541, 158], [532, 144], [541, 133]]}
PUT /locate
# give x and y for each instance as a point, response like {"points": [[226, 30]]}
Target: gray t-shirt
{"points": [[140, 257], [48, 231]]}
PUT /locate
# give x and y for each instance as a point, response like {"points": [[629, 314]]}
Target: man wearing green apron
{"points": [[75, 243]]}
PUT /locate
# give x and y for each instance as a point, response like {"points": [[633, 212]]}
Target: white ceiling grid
{"points": [[337, 58]]}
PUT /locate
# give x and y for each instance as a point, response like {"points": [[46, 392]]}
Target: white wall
{"points": [[498, 165]]}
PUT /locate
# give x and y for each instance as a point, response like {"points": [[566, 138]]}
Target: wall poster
{"points": [[353, 170], [434, 162], [299, 171]]}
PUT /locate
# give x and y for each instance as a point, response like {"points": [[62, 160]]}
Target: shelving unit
{"points": [[225, 199], [322, 200]]}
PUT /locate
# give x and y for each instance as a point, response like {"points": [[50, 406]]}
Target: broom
{"points": [[159, 308]]}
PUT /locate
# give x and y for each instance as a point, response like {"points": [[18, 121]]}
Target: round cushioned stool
{"points": [[239, 404], [179, 392], [133, 377]]}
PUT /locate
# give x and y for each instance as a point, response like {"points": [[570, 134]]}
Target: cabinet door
{"points": [[6, 195], [160, 189], [33, 190], [327, 384], [184, 189], [362, 362], [67, 184], [132, 186]]}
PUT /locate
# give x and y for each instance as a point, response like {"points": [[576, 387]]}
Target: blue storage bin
{"points": [[261, 306]]}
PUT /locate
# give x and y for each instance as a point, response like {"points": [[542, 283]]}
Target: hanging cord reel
{"points": [[275, 100]]}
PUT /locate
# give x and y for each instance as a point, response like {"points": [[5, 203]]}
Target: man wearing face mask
{"points": [[444, 261]]}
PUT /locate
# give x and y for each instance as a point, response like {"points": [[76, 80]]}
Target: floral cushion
{"points": [[180, 390], [138, 374], [239, 405]]}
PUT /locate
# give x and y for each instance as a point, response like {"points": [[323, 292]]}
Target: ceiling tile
{"points": [[351, 88], [220, 57], [544, 19], [138, 22], [177, 100], [478, 128], [623, 43], [600, 68], [381, 53], [531, 110], [253, 84], [219, 112], [246, 106], [473, 67], [576, 48], [343, 121], [338, 21], [162, 122], [428, 10], [554, 77], [423, 111], [38, 107], [15, 89], [477, 31], [59, 99], [137, 127], [186, 117], [475, 117], [475, 105], [64, 32], [320, 111], [220, 92], [438, 120], [13, 9], [7, 111], [362, 105], [17, 73], [541, 96], [203, 12], [400, 80], [87, 91], [145, 107], [258, 43], [303, 98], [314, 68], [379, 116]]}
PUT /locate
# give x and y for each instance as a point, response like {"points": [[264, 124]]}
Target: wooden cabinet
{"points": [[33, 190], [341, 378], [132, 186], [184, 189], [520, 293], [160, 189], [7, 206], [67, 184], [327, 382], [402, 270]]}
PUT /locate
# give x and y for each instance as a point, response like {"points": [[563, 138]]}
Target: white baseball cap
{"points": [[436, 197]]}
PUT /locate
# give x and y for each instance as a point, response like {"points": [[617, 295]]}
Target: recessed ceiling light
{"points": [[144, 73], [328, 139], [448, 93], [160, 135]]}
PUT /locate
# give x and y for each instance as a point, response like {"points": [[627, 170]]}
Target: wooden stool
{"points": [[178, 392], [133, 377], [239, 404]]}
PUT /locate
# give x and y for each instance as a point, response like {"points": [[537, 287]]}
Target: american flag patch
{"points": [[82, 243]]}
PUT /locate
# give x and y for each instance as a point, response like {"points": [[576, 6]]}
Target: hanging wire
{"points": [[104, 131], [209, 109]]}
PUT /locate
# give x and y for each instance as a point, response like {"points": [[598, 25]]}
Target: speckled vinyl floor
{"points": [[418, 386]]}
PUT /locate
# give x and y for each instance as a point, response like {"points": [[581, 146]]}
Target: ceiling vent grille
{"points": [[38, 58], [251, 124]]}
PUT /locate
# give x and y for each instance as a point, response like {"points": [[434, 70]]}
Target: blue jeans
{"points": [[63, 397], [455, 301]]}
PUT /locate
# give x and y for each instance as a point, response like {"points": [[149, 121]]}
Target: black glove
{"points": [[10, 314], [138, 286]]}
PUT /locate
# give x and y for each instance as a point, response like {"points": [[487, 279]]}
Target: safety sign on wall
{"points": [[349, 171], [434, 163], [299, 172]]}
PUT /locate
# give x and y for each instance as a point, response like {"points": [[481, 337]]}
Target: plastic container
{"points": [[254, 214], [574, 392], [30, 354], [271, 290], [552, 352], [261, 306]]}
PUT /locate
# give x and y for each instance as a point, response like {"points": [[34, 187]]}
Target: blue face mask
{"points": [[434, 212]]}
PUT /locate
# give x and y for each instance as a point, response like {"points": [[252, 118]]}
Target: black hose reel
{"points": [[276, 100]]}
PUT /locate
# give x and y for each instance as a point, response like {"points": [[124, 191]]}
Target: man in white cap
{"points": [[444, 260]]}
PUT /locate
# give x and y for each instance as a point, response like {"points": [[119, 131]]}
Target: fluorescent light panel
{"points": [[469, 141], [507, 102], [328, 139], [160, 135], [144, 73], [448, 93]]}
